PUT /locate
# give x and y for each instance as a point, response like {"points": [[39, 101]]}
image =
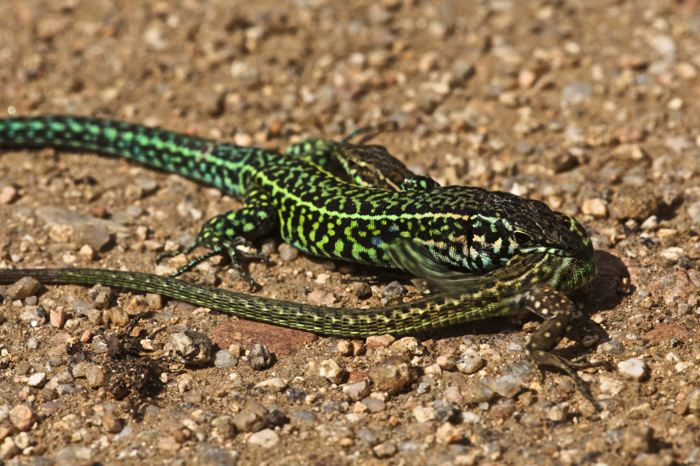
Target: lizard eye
{"points": [[521, 237]]}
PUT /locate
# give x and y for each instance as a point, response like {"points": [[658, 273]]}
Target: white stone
{"points": [[632, 368], [266, 438]]}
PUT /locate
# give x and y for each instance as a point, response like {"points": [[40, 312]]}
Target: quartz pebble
{"points": [[331, 370], [266, 438], [469, 362], [424, 413], [223, 359], [287, 252], [275, 383], [633, 368], [37, 380], [358, 390]]}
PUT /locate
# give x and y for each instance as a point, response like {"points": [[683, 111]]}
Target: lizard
{"points": [[486, 253]]}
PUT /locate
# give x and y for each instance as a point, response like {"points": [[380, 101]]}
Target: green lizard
{"points": [[488, 254]]}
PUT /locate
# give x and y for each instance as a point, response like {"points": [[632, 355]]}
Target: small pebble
{"points": [[191, 348], [223, 359], [367, 437], [57, 318], [23, 288], [379, 341], [663, 44], [637, 439], [447, 434], [259, 357], [409, 345], [34, 315], [556, 413], [692, 403], [276, 384], [331, 370], [476, 392], [423, 413], [611, 347], [22, 417], [392, 375], [287, 252], [694, 212], [112, 423], [75, 455], [576, 93], [633, 368], [224, 427], [595, 207], [470, 362], [252, 418], [507, 385], [95, 236], [385, 450], [672, 254], [266, 438], [8, 195], [94, 376], [610, 385], [393, 290], [446, 362], [321, 297], [358, 390], [344, 347], [454, 395], [8, 449], [37, 379], [361, 290], [101, 296], [374, 405]]}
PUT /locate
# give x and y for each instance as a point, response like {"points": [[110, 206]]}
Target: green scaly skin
{"points": [[489, 253]]}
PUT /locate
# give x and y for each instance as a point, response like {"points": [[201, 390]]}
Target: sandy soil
{"points": [[589, 106]]}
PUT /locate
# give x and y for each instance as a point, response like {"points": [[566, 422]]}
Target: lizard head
{"points": [[534, 227], [478, 230]]}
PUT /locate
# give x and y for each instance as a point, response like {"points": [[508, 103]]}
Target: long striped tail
{"points": [[196, 158], [425, 314]]}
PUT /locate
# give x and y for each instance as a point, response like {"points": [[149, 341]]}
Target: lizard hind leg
{"points": [[224, 233], [558, 312]]}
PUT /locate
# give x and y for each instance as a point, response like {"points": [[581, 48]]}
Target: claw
{"points": [[192, 263], [177, 252], [234, 255]]}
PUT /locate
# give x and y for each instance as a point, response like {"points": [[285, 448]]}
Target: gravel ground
{"points": [[589, 106]]}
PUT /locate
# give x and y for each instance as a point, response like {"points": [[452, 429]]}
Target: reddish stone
{"points": [[279, 340]]}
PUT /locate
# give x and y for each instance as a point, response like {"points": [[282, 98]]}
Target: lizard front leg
{"points": [[224, 233], [559, 313]]}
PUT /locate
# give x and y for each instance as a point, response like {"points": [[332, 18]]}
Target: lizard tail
{"points": [[430, 313], [196, 158]]}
